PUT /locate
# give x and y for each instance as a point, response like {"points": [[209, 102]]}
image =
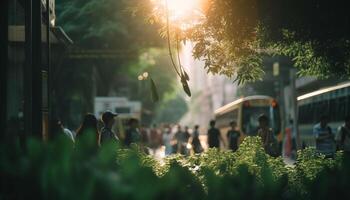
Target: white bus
{"points": [[333, 102], [245, 112]]}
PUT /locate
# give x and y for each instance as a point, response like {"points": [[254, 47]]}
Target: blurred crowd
{"points": [[165, 138], [174, 138]]}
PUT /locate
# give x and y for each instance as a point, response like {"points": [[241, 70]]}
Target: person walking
{"points": [[196, 144], [87, 128], [343, 136], [154, 138], [214, 136], [57, 129], [186, 135], [144, 135], [232, 136], [269, 142], [132, 134], [167, 141], [325, 141], [107, 134], [180, 137]]}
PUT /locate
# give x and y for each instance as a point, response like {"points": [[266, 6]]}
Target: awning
{"points": [[57, 35]]}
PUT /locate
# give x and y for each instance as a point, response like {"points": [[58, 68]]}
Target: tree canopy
{"points": [[104, 24], [232, 36], [107, 56]]}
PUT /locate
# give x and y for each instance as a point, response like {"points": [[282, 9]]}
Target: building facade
{"points": [[30, 43]]}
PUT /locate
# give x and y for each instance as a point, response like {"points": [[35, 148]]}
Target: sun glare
{"points": [[182, 8], [180, 12]]}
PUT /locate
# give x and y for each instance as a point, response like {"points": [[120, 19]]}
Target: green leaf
{"points": [[155, 96]]}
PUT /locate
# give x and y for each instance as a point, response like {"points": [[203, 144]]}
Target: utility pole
{"points": [[33, 69], [3, 67], [49, 71]]}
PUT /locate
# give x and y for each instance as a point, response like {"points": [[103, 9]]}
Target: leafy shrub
{"points": [[59, 170], [308, 167]]}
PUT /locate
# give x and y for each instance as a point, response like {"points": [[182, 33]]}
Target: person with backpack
{"points": [[343, 136], [233, 135], [325, 141], [107, 134]]}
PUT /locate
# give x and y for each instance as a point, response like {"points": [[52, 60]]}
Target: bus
{"points": [[333, 102], [245, 111]]}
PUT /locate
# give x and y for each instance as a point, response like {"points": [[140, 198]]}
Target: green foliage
{"points": [[233, 35], [172, 108], [109, 41], [155, 62], [308, 167], [60, 170], [104, 24]]}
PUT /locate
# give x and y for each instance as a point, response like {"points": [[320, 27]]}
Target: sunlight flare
{"points": [[182, 8], [181, 13]]}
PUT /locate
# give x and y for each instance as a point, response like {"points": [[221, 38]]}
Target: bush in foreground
{"points": [[60, 171]]}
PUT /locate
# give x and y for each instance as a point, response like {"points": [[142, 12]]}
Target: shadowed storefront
{"points": [[34, 47]]}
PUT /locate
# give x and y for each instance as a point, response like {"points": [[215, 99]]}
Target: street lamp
{"points": [[142, 77], [145, 75]]}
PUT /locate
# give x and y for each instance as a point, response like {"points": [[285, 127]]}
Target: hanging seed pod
{"points": [[182, 77], [186, 76], [186, 88], [155, 96]]}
